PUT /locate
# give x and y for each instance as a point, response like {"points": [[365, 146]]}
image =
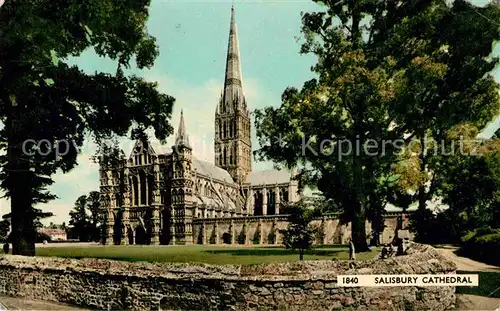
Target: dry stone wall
{"points": [[311, 285]]}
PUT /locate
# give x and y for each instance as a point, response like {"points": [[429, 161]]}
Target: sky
{"points": [[192, 38]]}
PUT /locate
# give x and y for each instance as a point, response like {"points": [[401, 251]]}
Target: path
{"points": [[472, 302]]}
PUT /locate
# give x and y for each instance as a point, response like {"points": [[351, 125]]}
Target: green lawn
{"points": [[201, 253]]}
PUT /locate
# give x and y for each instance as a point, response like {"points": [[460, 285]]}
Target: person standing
{"points": [[352, 251], [352, 254]]}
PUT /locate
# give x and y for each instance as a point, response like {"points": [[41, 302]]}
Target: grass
{"points": [[489, 284], [201, 253]]}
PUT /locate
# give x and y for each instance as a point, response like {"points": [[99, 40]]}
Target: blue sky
{"points": [[192, 37]]}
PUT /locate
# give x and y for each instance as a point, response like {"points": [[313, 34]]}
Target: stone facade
{"points": [[309, 285], [153, 198], [265, 230]]}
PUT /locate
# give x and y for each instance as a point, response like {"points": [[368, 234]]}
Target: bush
{"points": [[479, 232], [482, 245], [256, 237], [213, 238], [242, 237], [271, 237]]}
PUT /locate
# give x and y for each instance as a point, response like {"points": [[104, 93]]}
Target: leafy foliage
{"points": [[79, 220], [256, 236], [299, 235], [42, 97], [85, 218], [242, 235], [387, 71], [483, 246], [271, 237]]}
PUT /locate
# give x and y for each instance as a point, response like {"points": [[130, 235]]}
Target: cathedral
{"points": [[172, 198]]}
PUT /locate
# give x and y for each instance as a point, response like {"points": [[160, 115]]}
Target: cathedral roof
{"points": [[268, 177], [210, 170]]}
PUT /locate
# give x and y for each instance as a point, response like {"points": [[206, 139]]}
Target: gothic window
{"points": [[225, 156], [150, 181], [178, 170], [231, 156], [143, 192], [181, 196], [136, 190], [225, 130], [235, 154], [220, 129], [285, 195], [234, 129], [231, 129]]}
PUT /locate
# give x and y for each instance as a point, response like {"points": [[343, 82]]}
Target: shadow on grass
{"points": [[489, 284], [272, 252]]}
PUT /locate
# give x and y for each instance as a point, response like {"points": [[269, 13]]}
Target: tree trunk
{"points": [[358, 229], [301, 254], [421, 228], [19, 181]]}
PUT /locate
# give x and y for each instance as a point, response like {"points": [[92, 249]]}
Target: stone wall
{"points": [[310, 285], [259, 229]]}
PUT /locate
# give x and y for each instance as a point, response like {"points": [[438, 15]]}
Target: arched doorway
{"points": [[271, 203], [226, 238], [258, 203], [140, 235]]}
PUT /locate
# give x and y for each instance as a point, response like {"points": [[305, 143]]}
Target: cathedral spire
{"points": [[232, 120], [182, 136], [233, 89]]}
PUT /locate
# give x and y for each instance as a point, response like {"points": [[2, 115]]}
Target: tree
{"points": [[322, 125], [94, 208], [446, 83], [48, 106], [79, 220], [471, 189], [299, 234], [380, 72]]}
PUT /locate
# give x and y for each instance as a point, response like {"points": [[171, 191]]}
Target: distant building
{"points": [[54, 234]]}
